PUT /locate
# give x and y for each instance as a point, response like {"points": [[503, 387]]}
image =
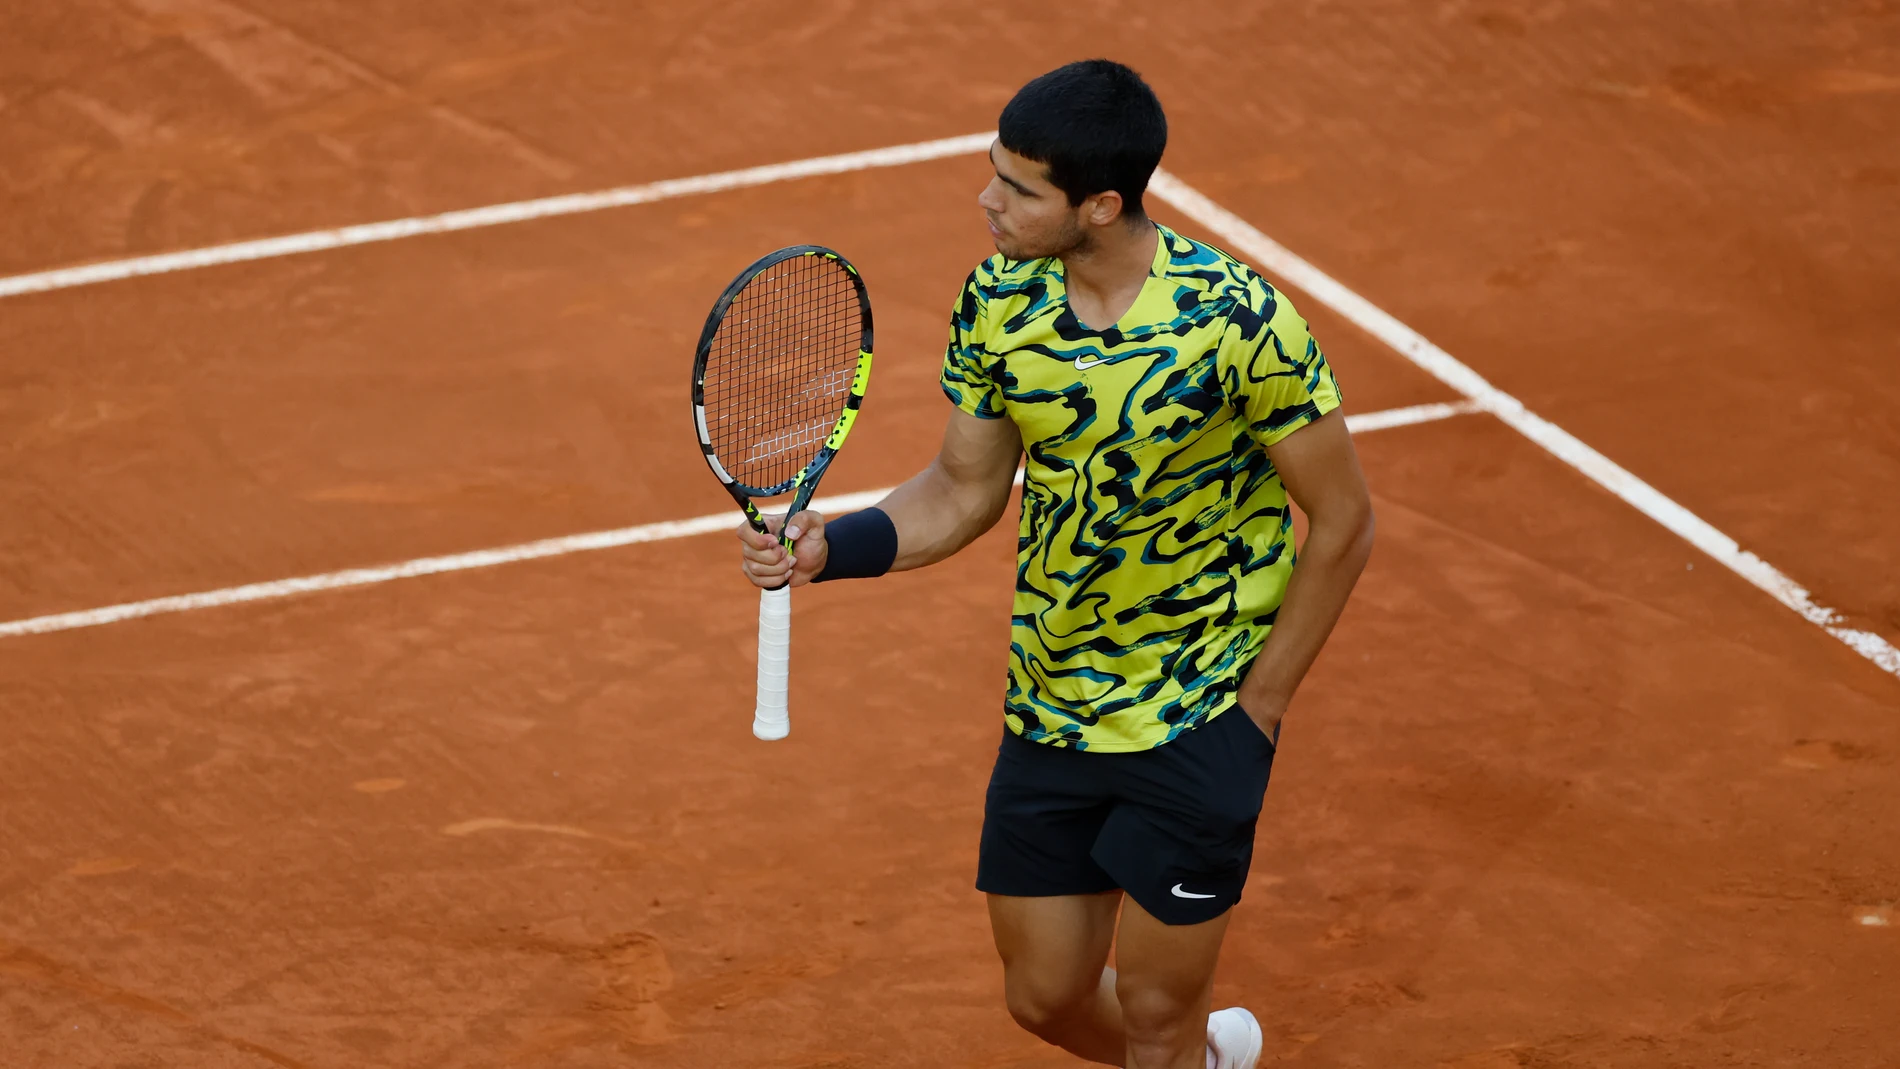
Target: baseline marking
{"points": [[546, 547], [1276, 259], [492, 215]]}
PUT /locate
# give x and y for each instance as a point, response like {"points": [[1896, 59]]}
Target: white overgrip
{"points": [[772, 719]]}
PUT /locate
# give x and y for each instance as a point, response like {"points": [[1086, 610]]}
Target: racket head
{"points": [[780, 372]]}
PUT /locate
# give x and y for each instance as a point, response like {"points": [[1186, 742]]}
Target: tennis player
{"points": [[1169, 403]]}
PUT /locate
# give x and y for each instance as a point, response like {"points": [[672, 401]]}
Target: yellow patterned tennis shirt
{"points": [[1155, 541]]}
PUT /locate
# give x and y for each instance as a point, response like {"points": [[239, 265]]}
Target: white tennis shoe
{"points": [[1233, 1039]]}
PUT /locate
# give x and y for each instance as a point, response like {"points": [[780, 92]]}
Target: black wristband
{"points": [[859, 545]]}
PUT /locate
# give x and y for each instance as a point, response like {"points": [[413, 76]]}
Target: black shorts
{"points": [[1172, 826]]}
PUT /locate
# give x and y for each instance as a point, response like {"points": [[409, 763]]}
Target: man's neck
{"points": [[1105, 274]]}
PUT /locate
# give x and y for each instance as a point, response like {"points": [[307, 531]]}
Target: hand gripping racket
{"points": [[777, 381]]}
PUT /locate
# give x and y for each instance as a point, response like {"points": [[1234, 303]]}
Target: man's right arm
{"points": [[960, 495]]}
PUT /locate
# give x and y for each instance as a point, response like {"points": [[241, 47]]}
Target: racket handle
{"points": [[772, 719]]}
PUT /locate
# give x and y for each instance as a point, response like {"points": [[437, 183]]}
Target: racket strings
{"points": [[780, 368]]}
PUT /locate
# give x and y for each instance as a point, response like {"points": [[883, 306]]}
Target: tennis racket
{"points": [[777, 380]]}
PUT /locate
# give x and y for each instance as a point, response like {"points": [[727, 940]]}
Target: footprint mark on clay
{"points": [[1824, 753], [482, 824], [628, 972]]}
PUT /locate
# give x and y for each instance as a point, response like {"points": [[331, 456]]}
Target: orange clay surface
{"points": [[1561, 792]]}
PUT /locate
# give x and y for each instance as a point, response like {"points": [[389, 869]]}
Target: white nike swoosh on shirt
{"points": [[1084, 365], [1178, 893]]}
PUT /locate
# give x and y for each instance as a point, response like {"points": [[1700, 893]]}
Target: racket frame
{"points": [[804, 482], [771, 719]]}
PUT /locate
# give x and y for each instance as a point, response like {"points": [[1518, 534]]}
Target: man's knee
{"points": [[1044, 1003], [1155, 1015]]}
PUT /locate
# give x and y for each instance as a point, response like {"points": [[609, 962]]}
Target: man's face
{"points": [[1029, 217]]}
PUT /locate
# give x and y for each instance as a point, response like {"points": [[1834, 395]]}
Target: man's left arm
{"points": [[1320, 471]]}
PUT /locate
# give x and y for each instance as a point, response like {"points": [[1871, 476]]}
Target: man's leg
{"points": [[1055, 979], [1163, 980], [1179, 843]]}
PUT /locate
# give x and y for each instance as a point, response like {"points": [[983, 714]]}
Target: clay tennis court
{"points": [[1564, 790]]}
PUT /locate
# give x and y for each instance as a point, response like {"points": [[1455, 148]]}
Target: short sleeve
{"points": [[969, 376], [1278, 379]]}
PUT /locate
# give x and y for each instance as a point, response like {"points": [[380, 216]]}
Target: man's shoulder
{"points": [[1221, 279], [1001, 276], [1002, 294]]}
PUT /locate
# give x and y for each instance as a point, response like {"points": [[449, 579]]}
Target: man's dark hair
{"points": [[1096, 125]]}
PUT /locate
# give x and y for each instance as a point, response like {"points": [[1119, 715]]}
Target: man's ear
{"points": [[1103, 208]]}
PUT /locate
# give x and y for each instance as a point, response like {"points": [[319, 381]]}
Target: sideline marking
{"points": [[492, 215], [1275, 259], [546, 547]]}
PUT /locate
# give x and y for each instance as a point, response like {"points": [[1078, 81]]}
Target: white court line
{"points": [[546, 547], [1405, 417], [1264, 251], [1275, 259], [493, 215]]}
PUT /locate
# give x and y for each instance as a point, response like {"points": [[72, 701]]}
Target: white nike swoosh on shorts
{"points": [[1178, 893], [1084, 365]]}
